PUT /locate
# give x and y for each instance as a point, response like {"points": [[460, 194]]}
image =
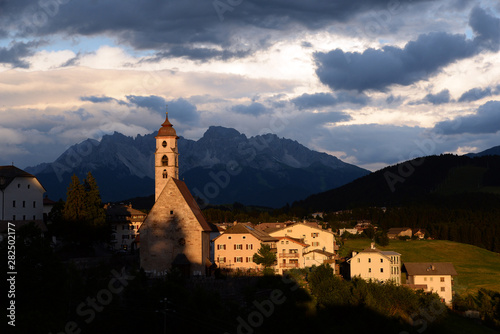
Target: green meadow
{"points": [[476, 267]]}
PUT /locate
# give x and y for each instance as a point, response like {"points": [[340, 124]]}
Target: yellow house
{"points": [[290, 254], [234, 249], [433, 277], [315, 237], [374, 264]]}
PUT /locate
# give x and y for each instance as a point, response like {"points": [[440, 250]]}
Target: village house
{"points": [[419, 233], [317, 257], [397, 232], [374, 264], [21, 198], [312, 235], [175, 235], [432, 277], [290, 253], [234, 249], [125, 222]]}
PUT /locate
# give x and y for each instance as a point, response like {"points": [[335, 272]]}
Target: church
{"points": [[175, 234]]}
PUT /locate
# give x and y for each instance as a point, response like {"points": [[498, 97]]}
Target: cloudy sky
{"points": [[373, 82]]}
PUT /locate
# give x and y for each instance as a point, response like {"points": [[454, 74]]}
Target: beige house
{"points": [[396, 232], [290, 254], [318, 257], [315, 237], [125, 222], [432, 277], [175, 235], [234, 249], [374, 264]]}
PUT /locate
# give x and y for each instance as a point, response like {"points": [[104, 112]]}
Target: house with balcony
{"points": [[125, 223], [234, 249], [310, 234], [376, 265], [433, 277], [317, 257], [290, 254]]}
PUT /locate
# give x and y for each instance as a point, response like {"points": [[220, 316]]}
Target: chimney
{"points": [[354, 254], [372, 245]]}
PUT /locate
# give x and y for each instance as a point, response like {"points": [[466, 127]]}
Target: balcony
{"points": [[289, 255], [288, 265]]}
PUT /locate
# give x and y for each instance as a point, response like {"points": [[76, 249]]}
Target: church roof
{"points": [[9, 173], [167, 130], [191, 202]]}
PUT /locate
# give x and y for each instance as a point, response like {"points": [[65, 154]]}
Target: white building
{"points": [[432, 277], [290, 253], [21, 195], [125, 223], [374, 264]]}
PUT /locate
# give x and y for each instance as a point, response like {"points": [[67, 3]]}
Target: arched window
{"points": [[164, 144], [165, 174], [164, 161]]}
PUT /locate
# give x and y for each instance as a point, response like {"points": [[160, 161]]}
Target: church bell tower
{"points": [[166, 156]]}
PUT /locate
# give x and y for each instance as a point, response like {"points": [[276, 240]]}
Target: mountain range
{"points": [[224, 166]]}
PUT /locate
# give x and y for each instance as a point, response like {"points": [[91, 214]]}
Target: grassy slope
{"points": [[476, 267]]}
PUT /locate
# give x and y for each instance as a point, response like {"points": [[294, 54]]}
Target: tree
{"points": [[381, 238], [264, 256], [74, 208], [94, 208]]}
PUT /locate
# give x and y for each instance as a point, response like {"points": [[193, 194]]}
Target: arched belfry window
{"points": [[165, 174], [164, 144], [164, 161]]}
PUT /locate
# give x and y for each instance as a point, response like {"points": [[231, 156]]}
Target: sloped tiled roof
{"points": [[319, 251], [301, 223], [429, 268], [296, 240], [9, 173], [244, 228]]}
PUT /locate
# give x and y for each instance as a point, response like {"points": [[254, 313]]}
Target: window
{"points": [[244, 237], [229, 237], [442, 279], [223, 247], [24, 217], [442, 288], [381, 260], [249, 259], [113, 227], [369, 260], [19, 185], [238, 259], [34, 217], [289, 231], [171, 212], [164, 144], [315, 243], [34, 204], [425, 279], [13, 204], [359, 260], [314, 235], [24, 204], [282, 242], [14, 217], [124, 227], [238, 246], [28, 186], [287, 242], [222, 259], [249, 246], [165, 174], [430, 279], [381, 270], [164, 161], [369, 270]]}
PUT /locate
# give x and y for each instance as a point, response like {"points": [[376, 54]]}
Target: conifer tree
{"points": [[264, 256], [74, 208], [94, 208]]}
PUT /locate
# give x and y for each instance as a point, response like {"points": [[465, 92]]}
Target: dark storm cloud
{"points": [[183, 112], [254, 109], [439, 98], [14, 53], [319, 100], [151, 102], [101, 99], [485, 120], [376, 69], [173, 27], [475, 94]]}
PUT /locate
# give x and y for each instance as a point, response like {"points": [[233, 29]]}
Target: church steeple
{"points": [[166, 156]]}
